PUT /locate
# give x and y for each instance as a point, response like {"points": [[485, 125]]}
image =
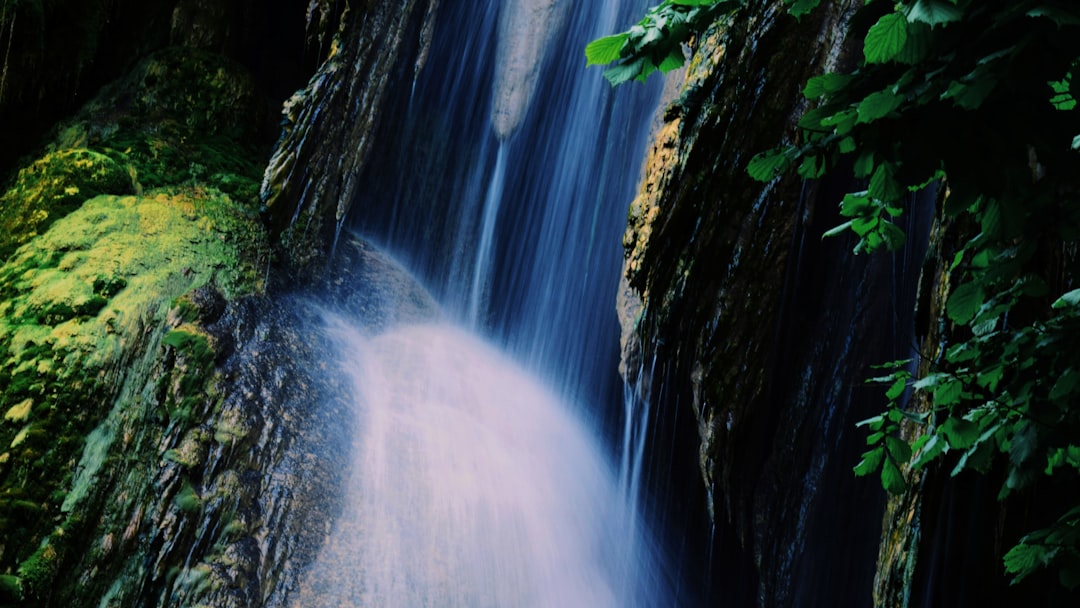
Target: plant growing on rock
{"points": [[978, 98]]}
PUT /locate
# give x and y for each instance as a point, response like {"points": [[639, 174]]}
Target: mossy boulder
{"points": [[78, 303], [52, 187], [182, 116]]}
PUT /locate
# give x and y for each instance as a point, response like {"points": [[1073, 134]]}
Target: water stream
{"points": [[485, 445]]}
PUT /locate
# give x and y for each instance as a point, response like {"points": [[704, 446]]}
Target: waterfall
{"points": [[519, 230], [471, 485], [483, 465]]}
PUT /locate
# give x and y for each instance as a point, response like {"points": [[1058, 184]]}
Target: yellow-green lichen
{"points": [[19, 412], [79, 301], [52, 187]]}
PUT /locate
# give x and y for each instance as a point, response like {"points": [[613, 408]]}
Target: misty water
{"points": [[484, 461]]}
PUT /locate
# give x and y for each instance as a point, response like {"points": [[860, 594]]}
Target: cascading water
{"points": [[472, 485], [477, 476]]}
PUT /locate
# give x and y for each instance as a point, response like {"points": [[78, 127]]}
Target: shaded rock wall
{"points": [[56, 55], [751, 337], [329, 126]]}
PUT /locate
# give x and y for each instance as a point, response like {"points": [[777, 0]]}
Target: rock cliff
{"points": [[748, 334], [169, 427]]}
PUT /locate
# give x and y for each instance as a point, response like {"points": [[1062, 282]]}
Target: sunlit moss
{"points": [[188, 500], [73, 320], [19, 412], [52, 187], [148, 193], [37, 572]]}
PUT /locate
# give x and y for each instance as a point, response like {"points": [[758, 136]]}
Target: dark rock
{"points": [[329, 126]]}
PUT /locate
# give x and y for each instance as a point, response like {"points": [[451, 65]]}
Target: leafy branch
{"points": [[977, 96]]}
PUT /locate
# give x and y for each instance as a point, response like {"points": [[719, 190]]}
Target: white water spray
{"points": [[471, 486]]}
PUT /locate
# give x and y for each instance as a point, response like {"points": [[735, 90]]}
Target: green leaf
{"points": [[885, 39], [1071, 298], [935, 12], [825, 84], [959, 433], [1065, 384], [624, 72], [964, 302], [930, 450], [837, 230], [892, 235], [604, 50], [970, 95], [870, 462], [798, 8], [991, 219], [764, 166], [862, 226], [877, 105], [989, 378], [883, 184], [864, 164], [948, 393], [1024, 443], [920, 39], [856, 204], [1023, 559], [896, 389], [874, 423], [1060, 15], [977, 458], [811, 167], [842, 122], [673, 61], [929, 381], [899, 450], [891, 477]]}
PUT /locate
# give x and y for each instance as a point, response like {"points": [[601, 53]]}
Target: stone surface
{"points": [[743, 343], [526, 30], [329, 126]]}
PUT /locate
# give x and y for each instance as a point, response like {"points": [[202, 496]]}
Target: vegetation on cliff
{"points": [[978, 97], [148, 194]]}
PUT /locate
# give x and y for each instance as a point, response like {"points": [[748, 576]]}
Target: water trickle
{"points": [[482, 265]]}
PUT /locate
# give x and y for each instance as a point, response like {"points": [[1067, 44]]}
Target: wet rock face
{"points": [[329, 126], [747, 361], [526, 30]]}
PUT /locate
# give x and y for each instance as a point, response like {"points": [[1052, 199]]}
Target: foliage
{"points": [[979, 97], [656, 42]]}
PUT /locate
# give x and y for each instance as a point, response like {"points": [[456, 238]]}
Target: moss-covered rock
{"points": [[182, 116], [77, 300], [52, 187]]}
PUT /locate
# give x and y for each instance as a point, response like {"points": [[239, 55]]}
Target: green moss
{"points": [[188, 500], [52, 187], [37, 571], [150, 192], [69, 328], [187, 117]]}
